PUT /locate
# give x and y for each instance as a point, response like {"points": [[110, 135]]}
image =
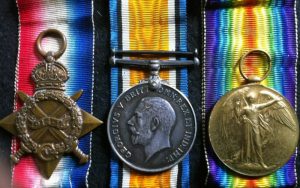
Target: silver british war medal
{"points": [[152, 126]]}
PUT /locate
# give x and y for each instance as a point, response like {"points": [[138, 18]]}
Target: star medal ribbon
{"points": [[50, 123]]}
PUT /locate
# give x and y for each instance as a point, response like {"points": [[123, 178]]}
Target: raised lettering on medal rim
{"points": [[151, 130]]}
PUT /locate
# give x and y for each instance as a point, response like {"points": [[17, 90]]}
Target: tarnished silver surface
{"points": [[151, 130]]}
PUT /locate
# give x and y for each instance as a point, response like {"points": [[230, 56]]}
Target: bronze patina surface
{"points": [[253, 129], [50, 123]]}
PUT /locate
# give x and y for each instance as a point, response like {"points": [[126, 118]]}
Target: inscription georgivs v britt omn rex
{"points": [[151, 130], [152, 126]]}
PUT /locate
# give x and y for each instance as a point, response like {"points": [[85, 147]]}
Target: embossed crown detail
{"points": [[50, 75]]}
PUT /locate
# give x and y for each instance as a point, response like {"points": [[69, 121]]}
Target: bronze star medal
{"points": [[50, 123]]}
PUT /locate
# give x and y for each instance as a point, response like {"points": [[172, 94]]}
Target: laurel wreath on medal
{"points": [[27, 125]]}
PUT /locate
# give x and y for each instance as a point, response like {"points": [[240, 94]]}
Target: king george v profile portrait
{"points": [[151, 125]]}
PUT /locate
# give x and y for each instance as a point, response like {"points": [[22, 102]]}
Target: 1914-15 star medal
{"points": [[50, 123]]}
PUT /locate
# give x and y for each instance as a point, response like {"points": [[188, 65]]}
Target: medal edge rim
{"points": [[156, 169]]}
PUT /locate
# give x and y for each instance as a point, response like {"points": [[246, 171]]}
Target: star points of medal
{"points": [[47, 167]]}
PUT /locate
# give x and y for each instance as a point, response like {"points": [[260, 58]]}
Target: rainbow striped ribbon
{"points": [[74, 19], [232, 28], [148, 25]]}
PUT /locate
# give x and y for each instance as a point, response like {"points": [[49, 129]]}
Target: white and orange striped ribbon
{"points": [[143, 25]]}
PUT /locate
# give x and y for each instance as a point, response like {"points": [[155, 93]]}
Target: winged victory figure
{"points": [[255, 113]]}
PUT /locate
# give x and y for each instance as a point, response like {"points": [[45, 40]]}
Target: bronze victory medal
{"points": [[151, 130], [253, 129], [50, 123]]}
